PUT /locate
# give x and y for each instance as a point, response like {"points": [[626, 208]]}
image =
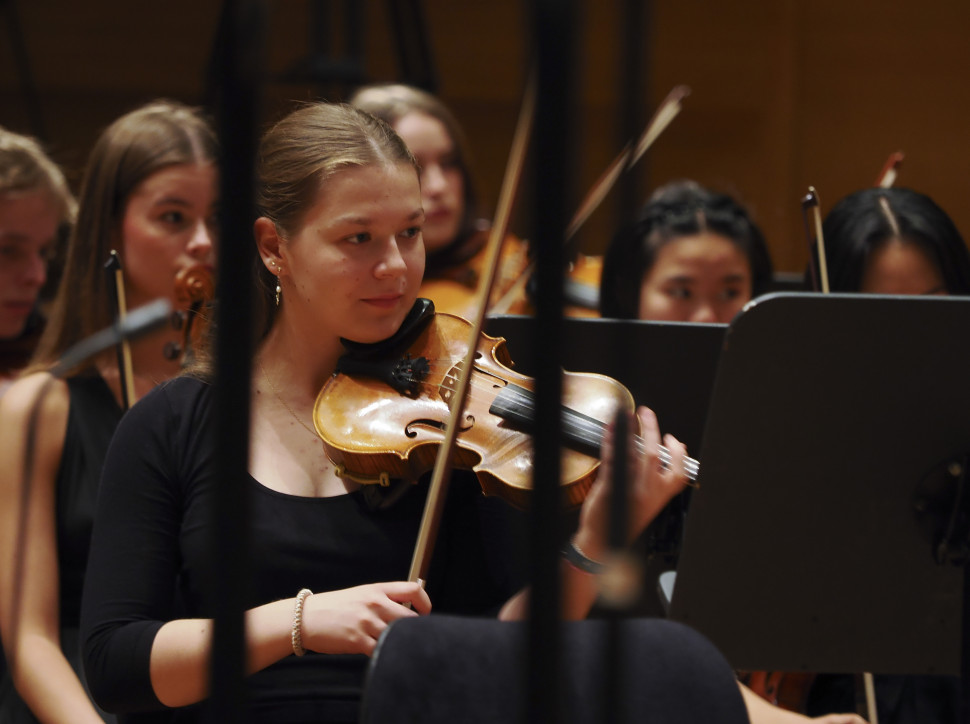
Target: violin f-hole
{"points": [[411, 431]]}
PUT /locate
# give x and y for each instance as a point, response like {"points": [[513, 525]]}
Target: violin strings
{"points": [[578, 427]]}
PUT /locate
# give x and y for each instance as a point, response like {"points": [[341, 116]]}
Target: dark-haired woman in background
{"points": [[893, 241], [693, 255]]}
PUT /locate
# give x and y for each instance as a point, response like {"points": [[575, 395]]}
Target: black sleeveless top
{"points": [[92, 418], [91, 421]]}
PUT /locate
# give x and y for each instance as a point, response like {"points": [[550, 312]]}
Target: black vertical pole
{"points": [[630, 93], [613, 682], [22, 60], [553, 23], [965, 650], [236, 92]]}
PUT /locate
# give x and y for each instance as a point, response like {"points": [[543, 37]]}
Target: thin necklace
{"points": [[282, 401]]}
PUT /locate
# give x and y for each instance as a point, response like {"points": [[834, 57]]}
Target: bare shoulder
{"points": [[18, 403], [45, 398]]}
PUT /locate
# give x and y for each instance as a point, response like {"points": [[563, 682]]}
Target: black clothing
{"points": [[899, 699], [92, 417], [150, 559]]}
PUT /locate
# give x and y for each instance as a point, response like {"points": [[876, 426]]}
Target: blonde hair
{"points": [[392, 101], [25, 167]]}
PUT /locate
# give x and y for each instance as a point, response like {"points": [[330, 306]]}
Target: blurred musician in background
{"points": [[36, 212], [455, 234], [149, 192], [692, 256], [893, 241]]}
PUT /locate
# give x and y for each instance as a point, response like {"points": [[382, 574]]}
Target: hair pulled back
{"points": [[298, 155]]}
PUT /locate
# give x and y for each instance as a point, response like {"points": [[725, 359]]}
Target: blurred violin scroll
{"points": [[194, 290]]}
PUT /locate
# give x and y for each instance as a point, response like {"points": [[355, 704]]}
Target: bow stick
{"points": [[810, 206], [662, 117], [887, 177], [434, 506], [811, 202], [116, 279]]}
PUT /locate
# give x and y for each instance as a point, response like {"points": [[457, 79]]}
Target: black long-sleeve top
{"points": [[150, 559]]}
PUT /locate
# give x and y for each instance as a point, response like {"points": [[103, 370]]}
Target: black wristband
{"points": [[577, 559]]}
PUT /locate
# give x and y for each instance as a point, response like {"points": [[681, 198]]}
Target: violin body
{"points": [[453, 289], [370, 428], [786, 689], [583, 286]]}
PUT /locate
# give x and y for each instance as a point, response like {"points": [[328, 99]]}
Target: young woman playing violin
{"points": [[693, 255], [340, 244], [149, 193], [455, 235], [36, 210]]}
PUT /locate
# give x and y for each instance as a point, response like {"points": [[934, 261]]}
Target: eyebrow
{"points": [[171, 200], [684, 278], [366, 220]]}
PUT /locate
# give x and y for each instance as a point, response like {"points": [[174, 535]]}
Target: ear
{"points": [[268, 243]]}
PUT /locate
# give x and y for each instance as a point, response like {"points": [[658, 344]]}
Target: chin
{"points": [[380, 329]]}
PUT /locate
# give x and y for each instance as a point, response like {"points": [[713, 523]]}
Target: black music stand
{"points": [[825, 486]]}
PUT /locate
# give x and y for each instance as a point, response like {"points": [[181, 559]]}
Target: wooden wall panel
{"points": [[784, 94]]}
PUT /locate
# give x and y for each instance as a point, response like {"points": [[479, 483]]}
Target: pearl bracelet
{"points": [[296, 635], [579, 560]]}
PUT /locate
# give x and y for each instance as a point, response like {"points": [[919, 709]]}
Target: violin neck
{"points": [[516, 405]]}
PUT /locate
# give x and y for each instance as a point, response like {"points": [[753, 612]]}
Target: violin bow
{"points": [[810, 207], [666, 112], [887, 177], [116, 280], [434, 505]]}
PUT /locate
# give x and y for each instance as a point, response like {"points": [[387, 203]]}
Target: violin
{"points": [[785, 689], [582, 286], [452, 288], [194, 290], [383, 413]]}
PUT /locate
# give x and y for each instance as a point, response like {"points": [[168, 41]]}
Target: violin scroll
{"points": [[194, 289], [194, 284]]}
